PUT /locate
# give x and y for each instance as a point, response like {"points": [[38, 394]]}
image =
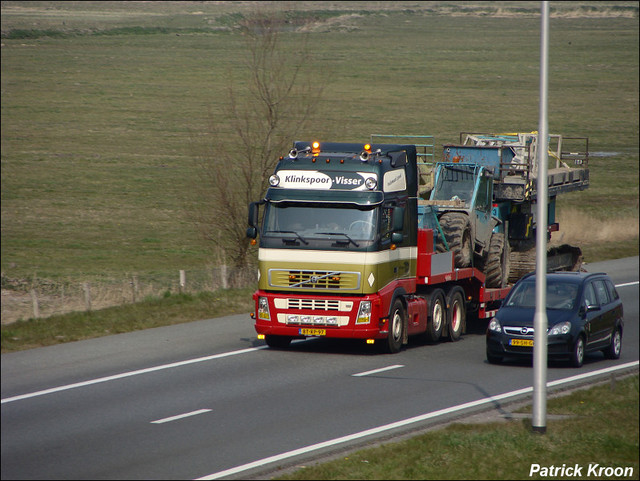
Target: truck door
{"points": [[482, 218], [393, 221]]}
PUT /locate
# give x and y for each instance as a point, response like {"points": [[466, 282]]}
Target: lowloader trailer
{"points": [[348, 249]]}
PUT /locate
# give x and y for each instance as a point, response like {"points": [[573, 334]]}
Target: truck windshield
{"points": [[312, 221]]}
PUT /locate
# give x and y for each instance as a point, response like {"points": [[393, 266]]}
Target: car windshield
{"points": [[560, 295], [314, 221]]}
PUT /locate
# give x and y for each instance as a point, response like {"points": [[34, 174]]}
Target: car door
{"points": [[592, 313], [602, 324]]}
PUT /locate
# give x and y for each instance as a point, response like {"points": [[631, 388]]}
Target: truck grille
{"points": [[300, 279], [314, 304]]}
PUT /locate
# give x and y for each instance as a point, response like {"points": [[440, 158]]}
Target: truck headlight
{"points": [[364, 313], [263, 309]]}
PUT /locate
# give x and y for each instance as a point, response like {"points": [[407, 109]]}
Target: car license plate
{"points": [[521, 342], [312, 332]]}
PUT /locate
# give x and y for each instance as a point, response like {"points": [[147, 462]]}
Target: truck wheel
{"points": [[437, 315], [277, 342], [457, 230], [456, 313], [497, 266], [396, 327]]}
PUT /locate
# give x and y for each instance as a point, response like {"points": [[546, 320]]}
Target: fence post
{"points": [[223, 275], [36, 305], [134, 288], [87, 295], [183, 280]]}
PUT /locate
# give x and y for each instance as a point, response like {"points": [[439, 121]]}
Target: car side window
{"points": [[601, 292], [590, 295], [613, 293]]}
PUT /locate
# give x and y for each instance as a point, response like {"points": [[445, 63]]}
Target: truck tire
{"points": [[456, 313], [437, 316], [496, 267], [457, 230], [277, 342], [396, 328]]}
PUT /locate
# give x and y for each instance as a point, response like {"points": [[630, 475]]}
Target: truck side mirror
{"points": [[398, 219], [253, 214], [398, 159], [252, 232]]}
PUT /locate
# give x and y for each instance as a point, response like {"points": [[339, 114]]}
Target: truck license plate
{"points": [[312, 332], [521, 342]]}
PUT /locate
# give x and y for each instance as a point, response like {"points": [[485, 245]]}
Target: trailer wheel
{"points": [[396, 327], [277, 342], [456, 313], [437, 315], [457, 230]]}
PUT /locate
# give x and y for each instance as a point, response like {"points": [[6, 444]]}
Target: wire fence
{"points": [[38, 297]]}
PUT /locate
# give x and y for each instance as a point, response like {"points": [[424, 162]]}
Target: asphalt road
{"points": [[207, 399]]}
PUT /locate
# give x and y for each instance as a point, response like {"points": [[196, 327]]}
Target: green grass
{"points": [[601, 427], [104, 105], [152, 312]]}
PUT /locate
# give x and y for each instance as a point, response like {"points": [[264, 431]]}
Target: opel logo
{"points": [[524, 331]]}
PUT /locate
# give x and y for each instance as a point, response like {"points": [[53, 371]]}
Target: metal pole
{"points": [[540, 323]]}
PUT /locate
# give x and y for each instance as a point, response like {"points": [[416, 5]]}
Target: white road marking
{"points": [[181, 416], [405, 422], [130, 373], [628, 284], [376, 371]]}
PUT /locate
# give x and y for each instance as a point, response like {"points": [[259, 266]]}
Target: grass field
{"points": [[584, 428], [102, 101]]}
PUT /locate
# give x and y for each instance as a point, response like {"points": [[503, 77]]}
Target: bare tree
{"points": [[273, 105]]}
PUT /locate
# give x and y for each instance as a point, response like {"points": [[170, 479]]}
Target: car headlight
{"points": [[495, 326], [560, 328]]}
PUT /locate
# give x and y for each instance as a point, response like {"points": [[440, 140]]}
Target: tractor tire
{"points": [[496, 267], [457, 230], [522, 261]]}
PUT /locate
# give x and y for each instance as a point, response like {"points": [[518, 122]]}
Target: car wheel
{"points": [[613, 351], [493, 359], [577, 358]]}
